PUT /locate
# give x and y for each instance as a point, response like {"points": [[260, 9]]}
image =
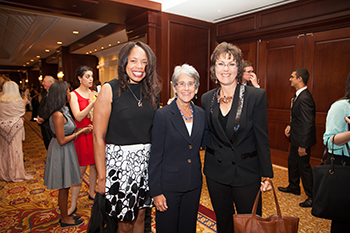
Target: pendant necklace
{"points": [[139, 103], [223, 99], [186, 118]]}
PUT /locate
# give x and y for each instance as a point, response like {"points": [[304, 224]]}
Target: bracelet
{"points": [[75, 135]]}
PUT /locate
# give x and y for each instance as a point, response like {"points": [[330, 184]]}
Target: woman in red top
{"points": [[81, 103]]}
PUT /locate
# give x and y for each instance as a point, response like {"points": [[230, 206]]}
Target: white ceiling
{"points": [[217, 10], [26, 35]]}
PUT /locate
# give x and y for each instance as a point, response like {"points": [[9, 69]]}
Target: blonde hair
{"points": [[3, 79], [10, 92]]}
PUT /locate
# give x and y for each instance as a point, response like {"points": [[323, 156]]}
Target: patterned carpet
{"points": [[28, 207]]}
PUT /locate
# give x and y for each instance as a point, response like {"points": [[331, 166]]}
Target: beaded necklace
{"points": [[186, 118]]}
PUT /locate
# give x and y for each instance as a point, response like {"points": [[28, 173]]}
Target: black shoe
{"points": [[75, 210], [307, 203], [75, 224], [90, 198], [76, 217], [289, 190]]}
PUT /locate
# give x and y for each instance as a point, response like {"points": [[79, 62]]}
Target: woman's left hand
{"points": [[265, 186]]}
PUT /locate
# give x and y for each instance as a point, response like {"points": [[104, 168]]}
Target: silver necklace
{"points": [[139, 103]]}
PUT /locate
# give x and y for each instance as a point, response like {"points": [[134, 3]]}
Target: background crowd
{"points": [[144, 156]]}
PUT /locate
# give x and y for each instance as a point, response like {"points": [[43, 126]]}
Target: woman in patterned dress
{"points": [[123, 116], [81, 105]]}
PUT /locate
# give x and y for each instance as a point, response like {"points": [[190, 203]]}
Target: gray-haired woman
{"points": [[175, 178]]}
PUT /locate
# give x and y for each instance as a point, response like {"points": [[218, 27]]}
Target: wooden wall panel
{"points": [[301, 12], [243, 24], [294, 18], [249, 51], [188, 41]]}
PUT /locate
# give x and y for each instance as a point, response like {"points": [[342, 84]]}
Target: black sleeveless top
{"points": [[129, 124]]}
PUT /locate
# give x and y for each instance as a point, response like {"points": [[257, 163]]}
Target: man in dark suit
{"points": [[302, 136], [43, 118]]}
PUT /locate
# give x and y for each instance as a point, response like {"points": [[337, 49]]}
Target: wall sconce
{"points": [[40, 78], [60, 75]]}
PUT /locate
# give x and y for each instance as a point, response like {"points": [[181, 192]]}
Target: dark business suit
{"points": [[45, 127], [235, 168], [302, 134], [175, 167]]}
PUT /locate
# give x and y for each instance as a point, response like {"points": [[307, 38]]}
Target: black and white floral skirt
{"points": [[127, 188]]}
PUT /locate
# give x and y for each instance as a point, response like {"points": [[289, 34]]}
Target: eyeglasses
{"points": [[221, 65], [183, 84]]}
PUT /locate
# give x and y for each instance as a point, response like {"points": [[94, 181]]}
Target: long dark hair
{"points": [[347, 91], [81, 71], [151, 84], [57, 97]]}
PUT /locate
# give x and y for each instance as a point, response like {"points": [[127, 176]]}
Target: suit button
{"points": [[220, 146], [233, 162], [190, 147], [189, 161], [219, 160]]}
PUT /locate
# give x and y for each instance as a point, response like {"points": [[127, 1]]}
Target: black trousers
{"points": [[181, 215], [299, 167], [225, 197], [46, 133]]}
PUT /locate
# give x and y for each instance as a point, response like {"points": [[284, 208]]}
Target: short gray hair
{"points": [[188, 70], [50, 78]]}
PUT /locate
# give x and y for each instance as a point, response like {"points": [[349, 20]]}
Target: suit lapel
{"points": [[300, 96], [197, 122], [178, 122], [233, 112]]}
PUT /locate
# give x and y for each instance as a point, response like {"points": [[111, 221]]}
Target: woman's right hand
{"points": [[101, 187], [347, 119], [87, 129], [160, 203]]}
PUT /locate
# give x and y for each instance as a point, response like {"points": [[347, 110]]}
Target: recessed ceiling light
{"points": [[95, 50], [102, 47], [118, 42], [110, 45], [75, 32], [47, 50], [87, 52], [27, 63], [59, 42], [37, 56], [31, 60]]}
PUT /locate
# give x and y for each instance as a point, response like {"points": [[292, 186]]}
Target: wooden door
{"points": [[277, 59], [327, 57]]}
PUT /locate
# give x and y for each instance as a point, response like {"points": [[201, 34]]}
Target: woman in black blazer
{"points": [[238, 153], [175, 177]]}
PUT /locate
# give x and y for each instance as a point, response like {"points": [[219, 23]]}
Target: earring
{"points": [[195, 96]]}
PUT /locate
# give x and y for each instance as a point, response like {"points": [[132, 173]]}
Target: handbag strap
{"points": [[279, 214]]}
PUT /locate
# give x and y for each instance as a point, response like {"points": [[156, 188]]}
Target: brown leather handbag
{"points": [[246, 223]]}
